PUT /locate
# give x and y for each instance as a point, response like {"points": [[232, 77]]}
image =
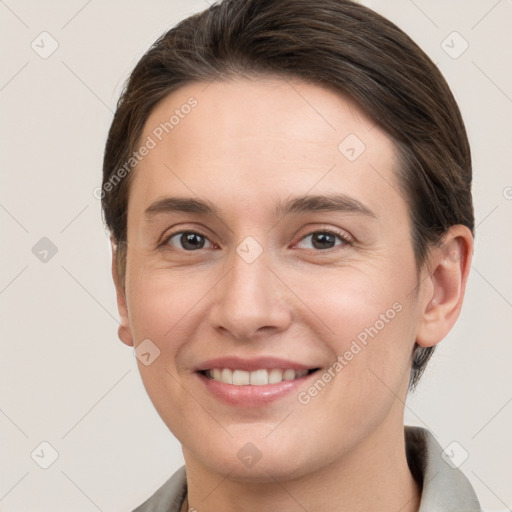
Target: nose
{"points": [[251, 301]]}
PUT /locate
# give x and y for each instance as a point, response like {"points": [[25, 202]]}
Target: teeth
{"points": [[256, 378], [289, 375], [241, 378], [259, 377], [226, 376], [275, 375]]}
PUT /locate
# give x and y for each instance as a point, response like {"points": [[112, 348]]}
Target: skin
{"points": [[248, 144]]}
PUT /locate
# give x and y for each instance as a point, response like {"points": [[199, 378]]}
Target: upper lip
{"points": [[253, 364]]}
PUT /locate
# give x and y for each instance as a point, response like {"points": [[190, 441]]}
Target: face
{"points": [[289, 258]]}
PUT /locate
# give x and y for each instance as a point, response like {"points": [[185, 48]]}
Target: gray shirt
{"points": [[444, 488]]}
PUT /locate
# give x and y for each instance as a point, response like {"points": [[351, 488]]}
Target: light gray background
{"points": [[66, 379]]}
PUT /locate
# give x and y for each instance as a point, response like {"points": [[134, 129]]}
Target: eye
{"points": [[187, 240], [325, 239], [193, 241]]}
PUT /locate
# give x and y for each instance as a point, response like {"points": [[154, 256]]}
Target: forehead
{"points": [[254, 136], [266, 108]]}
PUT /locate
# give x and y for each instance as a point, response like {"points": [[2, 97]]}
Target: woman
{"points": [[288, 190]]}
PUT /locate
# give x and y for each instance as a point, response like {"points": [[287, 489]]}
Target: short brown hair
{"points": [[335, 43]]}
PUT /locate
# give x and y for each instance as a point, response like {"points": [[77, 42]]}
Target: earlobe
{"points": [[124, 330], [445, 285]]}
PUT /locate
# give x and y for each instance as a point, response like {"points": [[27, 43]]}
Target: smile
{"points": [[260, 377]]}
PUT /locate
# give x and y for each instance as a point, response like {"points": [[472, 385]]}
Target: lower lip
{"points": [[251, 396]]}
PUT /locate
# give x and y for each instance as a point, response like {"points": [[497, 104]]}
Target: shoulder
{"points": [[169, 497], [444, 485]]}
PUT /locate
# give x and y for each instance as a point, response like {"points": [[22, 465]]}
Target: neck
{"points": [[373, 476]]}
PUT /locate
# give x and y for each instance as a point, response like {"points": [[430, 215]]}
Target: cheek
{"points": [[350, 300], [371, 318], [160, 301], [164, 308], [370, 367]]}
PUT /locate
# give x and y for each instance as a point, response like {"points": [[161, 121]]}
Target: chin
{"points": [[263, 471], [258, 461]]}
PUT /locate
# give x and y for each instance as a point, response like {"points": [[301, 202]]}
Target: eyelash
{"points": [[346, 240]]}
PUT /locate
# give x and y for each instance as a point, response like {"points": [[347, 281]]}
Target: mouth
{"points": [[254, 382], [261, 377]]}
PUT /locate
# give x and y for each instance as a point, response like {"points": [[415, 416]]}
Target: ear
{"points": [[124, 331], [445, 285]]}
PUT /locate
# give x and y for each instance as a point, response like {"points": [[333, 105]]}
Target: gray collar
{"points": [[444, 488]]}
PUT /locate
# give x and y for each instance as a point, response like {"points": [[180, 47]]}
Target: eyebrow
{"points": [[298, 205]]}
